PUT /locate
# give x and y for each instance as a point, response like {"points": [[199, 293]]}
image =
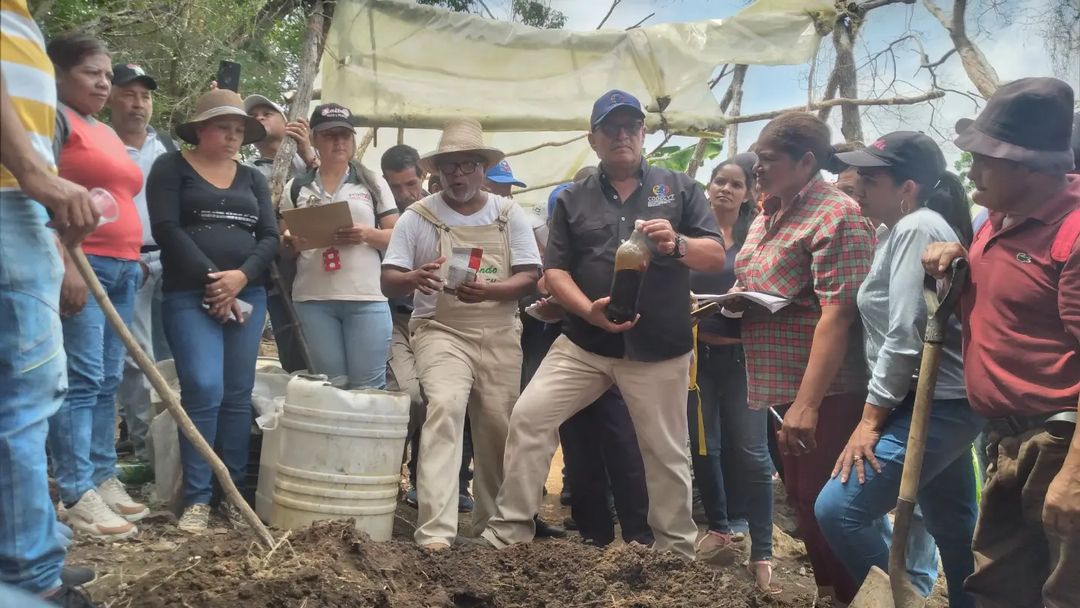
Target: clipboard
{"points": [[318, 224]]}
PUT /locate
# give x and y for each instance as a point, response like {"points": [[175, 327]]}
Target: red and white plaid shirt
{"points": [[816, 253]]}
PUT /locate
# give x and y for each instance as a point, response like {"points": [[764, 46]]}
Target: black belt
{"points": [[149, 249], [1061, 424]]}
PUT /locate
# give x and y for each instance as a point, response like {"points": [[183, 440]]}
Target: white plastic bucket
{"points": [[338, 456]]}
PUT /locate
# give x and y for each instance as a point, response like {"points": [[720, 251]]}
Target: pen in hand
{"points": [[780, 421]]}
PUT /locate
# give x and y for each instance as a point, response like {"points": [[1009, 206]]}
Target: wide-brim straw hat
{"points": [[462, 135], [220, 102]]}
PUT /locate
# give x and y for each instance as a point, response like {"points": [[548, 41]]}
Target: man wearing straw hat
{"points": [[465, 333]]}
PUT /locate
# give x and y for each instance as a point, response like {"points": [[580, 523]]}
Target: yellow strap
{"points": [[702, 448]]}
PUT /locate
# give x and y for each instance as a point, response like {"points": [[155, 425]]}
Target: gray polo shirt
{"points": [[587, 226]]}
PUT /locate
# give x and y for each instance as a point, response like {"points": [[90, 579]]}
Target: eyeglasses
{"points": [[613, 130], [467, 167]]}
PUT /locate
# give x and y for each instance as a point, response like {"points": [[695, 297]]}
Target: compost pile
{"points": [[332, 565]]}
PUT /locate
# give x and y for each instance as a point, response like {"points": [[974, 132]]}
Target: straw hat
{"points": [[461, 135], [220, 102]]}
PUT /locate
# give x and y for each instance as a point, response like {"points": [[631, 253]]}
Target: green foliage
{"points": [[537, 13], [678, 158], [961, 168], [180, 42]]}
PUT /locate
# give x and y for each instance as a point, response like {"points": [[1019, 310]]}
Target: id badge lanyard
{"points": [[331, 256]]}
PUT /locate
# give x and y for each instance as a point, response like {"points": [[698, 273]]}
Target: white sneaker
{"points": [[114, 495], [92, 516], [195, 519]]}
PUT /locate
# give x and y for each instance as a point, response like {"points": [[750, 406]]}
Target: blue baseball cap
{"points": [[611, 100], [553, 197], [502, 174]]}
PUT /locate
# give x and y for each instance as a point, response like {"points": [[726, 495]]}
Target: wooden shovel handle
{"points": [[171, 402]]}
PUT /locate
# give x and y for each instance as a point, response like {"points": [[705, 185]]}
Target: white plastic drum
{"points": [[339, 456]]}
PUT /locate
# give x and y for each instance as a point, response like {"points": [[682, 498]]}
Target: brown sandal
{"points": [[763, 583]]}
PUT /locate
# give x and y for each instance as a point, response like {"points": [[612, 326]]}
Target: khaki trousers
{"points": [[474, 369], [401, 369], [1018, 564], [569, 379]]}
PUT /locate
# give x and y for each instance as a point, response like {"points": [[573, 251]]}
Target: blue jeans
{"points": [[82, 435], [133, 395], [348, 339], [742, 431], [33, 378], [215, 364], [847, 512]]}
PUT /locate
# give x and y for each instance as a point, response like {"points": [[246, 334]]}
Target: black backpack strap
{"points": [[166, 142]]}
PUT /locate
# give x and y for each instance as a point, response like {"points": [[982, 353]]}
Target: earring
{"points": [[903, 211]]}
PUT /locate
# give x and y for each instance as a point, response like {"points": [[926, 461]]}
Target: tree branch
{"points": [[890, 101], [614, 3], [485, 7], [638, 24], [870, 5], [978, 69]]}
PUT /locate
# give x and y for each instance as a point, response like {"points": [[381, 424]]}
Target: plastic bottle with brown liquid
{"points": [[631, 261]]}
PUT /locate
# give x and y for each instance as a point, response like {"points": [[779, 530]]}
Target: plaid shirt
{"points": [[816, 253]]}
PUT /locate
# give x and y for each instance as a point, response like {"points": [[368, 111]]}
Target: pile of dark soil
{"points": [[331, 565]]}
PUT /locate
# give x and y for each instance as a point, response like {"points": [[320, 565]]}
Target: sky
{"points": [[1014, 49]]}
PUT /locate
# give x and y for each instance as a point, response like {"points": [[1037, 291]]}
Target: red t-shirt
{"points": [[1022, 315], [94, 157]]}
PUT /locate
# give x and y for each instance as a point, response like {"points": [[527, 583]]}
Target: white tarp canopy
{"points": [[397, 63], [538, 169]]}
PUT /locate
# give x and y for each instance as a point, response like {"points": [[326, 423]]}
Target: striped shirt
{"points": [[28, 76]]}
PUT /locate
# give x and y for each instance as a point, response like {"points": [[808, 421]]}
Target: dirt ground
{"points": [[331, 565]]}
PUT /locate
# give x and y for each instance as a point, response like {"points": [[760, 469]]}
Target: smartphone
{"points": [[706, 311], [228, 76]]}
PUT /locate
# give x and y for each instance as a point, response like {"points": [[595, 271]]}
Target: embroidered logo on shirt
{"points": [[662, 195], [1023, 258]]}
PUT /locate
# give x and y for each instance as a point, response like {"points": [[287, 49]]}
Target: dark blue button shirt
{"points": [[589, 224]]}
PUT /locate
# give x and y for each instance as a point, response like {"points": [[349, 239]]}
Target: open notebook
{"points": [[766, 300]]}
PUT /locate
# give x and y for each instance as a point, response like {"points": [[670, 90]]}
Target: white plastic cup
{"points": [[106, 205]]}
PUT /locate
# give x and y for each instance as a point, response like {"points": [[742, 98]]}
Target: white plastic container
{"points": [[338, 456]]}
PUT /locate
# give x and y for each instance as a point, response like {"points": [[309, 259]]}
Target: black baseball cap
{"points": [[331, 116], [610, 101], [910, 154], [127, 73]]}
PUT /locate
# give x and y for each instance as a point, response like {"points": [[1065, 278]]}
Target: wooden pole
{"points": [[171, 402], [298, 107], [309, 67]]}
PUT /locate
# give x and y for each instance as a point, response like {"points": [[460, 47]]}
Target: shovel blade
{"points": [[875, 591]]}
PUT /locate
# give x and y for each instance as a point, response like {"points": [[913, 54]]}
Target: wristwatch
{"points": [[680, 247]]}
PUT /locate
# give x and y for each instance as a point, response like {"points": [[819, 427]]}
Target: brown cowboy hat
{"points": [[220, 102], [461, 135]]}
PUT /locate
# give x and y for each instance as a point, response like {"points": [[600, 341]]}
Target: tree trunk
{"points": [[309, 66], [735, 108], [978, 69], [847, 83]]}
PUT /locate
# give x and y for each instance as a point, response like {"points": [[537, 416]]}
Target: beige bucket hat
{"points": [[220, 102], [462, 135]]}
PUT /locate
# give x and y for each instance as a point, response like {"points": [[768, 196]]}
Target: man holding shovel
{"points": [[1021, 326]]}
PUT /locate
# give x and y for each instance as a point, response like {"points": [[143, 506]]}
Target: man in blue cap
{"points": [[647, 359], [500, 178]]}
